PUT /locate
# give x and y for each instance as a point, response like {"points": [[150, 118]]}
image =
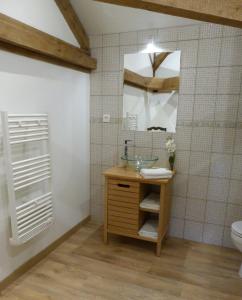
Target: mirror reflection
{"points": [[151, 85]]}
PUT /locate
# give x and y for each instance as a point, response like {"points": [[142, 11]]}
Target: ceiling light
{"points": [[152, 48]]}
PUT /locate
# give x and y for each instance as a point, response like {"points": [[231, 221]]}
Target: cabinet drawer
{"points": [[123, 185], [118, 198], [123, 210], [123, 206], [120, 203], [120, 214], [122, 194], [122, 231], [122, 220], [123, 224]]}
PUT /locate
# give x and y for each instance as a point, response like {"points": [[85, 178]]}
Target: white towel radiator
{"points": [[28, 217], [131, 121]]}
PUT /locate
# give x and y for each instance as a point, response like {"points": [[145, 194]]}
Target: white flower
{"points": [[170, 145]]}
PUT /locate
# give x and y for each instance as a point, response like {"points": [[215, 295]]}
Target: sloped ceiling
{"points": [[99, 18]]}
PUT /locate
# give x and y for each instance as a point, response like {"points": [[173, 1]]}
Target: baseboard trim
{"points": [[37, 258]]}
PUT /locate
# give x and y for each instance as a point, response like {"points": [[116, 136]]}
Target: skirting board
{"points": [[36, 259]]}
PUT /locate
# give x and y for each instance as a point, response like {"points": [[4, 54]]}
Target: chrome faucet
{"points": [[126, 147]]}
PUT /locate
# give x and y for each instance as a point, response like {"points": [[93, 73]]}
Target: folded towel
{"points": [[150, 228], [156, 172], [156, 177], [159, 173], [152, 201]]}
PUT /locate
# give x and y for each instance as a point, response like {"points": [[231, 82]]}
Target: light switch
{"points": [[106, 118]]}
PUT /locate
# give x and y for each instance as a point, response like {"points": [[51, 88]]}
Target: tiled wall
{"points": [[207, 193]]}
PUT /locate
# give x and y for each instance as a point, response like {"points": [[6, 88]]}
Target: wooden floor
{"points": [[84, 268]]}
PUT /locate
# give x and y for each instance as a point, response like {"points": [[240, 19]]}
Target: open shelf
{"points": [[151, 203], [155, 211], [148, 239], [149, 230]]}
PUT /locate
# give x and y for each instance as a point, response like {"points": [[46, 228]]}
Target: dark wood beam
{"points": [[151, 84], [19, 35], [225, 12], [152, 60], [158, 59], [34, 55], [74, 23], [162, 85], [134, 79]]}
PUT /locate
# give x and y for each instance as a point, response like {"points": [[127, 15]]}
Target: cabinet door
{"points": [[123, 206]]}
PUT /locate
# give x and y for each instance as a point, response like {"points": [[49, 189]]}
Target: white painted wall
{"points": [[43, 15], [29, 86]]}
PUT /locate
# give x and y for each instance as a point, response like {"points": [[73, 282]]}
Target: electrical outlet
{"points": [[106, 118]]}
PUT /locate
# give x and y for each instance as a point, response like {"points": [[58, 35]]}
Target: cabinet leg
{"points": [[105, 237], [158, 248]]}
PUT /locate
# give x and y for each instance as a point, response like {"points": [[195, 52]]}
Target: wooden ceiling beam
{"points": [[134, 79], [158, 60], [22, 36], [151, 84], [170, 84], [74, 23], [225, 12], [162, 85], [41, 57]]}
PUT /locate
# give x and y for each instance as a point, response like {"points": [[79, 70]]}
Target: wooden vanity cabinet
{"points": [[124, 191]]}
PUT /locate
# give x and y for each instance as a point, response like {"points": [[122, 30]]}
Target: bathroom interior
{"points": [[121, 149]]}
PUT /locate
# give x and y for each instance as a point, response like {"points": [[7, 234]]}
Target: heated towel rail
{"points": [[29, 217]]}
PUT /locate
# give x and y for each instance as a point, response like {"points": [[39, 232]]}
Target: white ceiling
{"points": [[99, 18]]}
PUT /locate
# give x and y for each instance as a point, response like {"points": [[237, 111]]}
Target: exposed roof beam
{"points": [[171, 84], [37, 56], [74, 23], [19, 35], [152, 60], [226, 12], [151, 84], [158, 59], [134, 79]]}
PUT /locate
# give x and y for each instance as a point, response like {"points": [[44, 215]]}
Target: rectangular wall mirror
{"points": [[150, 93]]}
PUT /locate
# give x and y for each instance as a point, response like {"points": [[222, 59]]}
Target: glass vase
{"points": [[172, 161]]}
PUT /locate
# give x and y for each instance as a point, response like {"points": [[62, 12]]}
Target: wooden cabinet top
{"points": [[128, 174]]}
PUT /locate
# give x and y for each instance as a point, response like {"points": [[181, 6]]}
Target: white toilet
{"points": [[236, 235]]}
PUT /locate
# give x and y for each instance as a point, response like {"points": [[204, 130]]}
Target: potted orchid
{"points": [[171, 149]]}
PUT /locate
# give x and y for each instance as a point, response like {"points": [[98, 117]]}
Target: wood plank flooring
{"points": [[84, 268]]}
